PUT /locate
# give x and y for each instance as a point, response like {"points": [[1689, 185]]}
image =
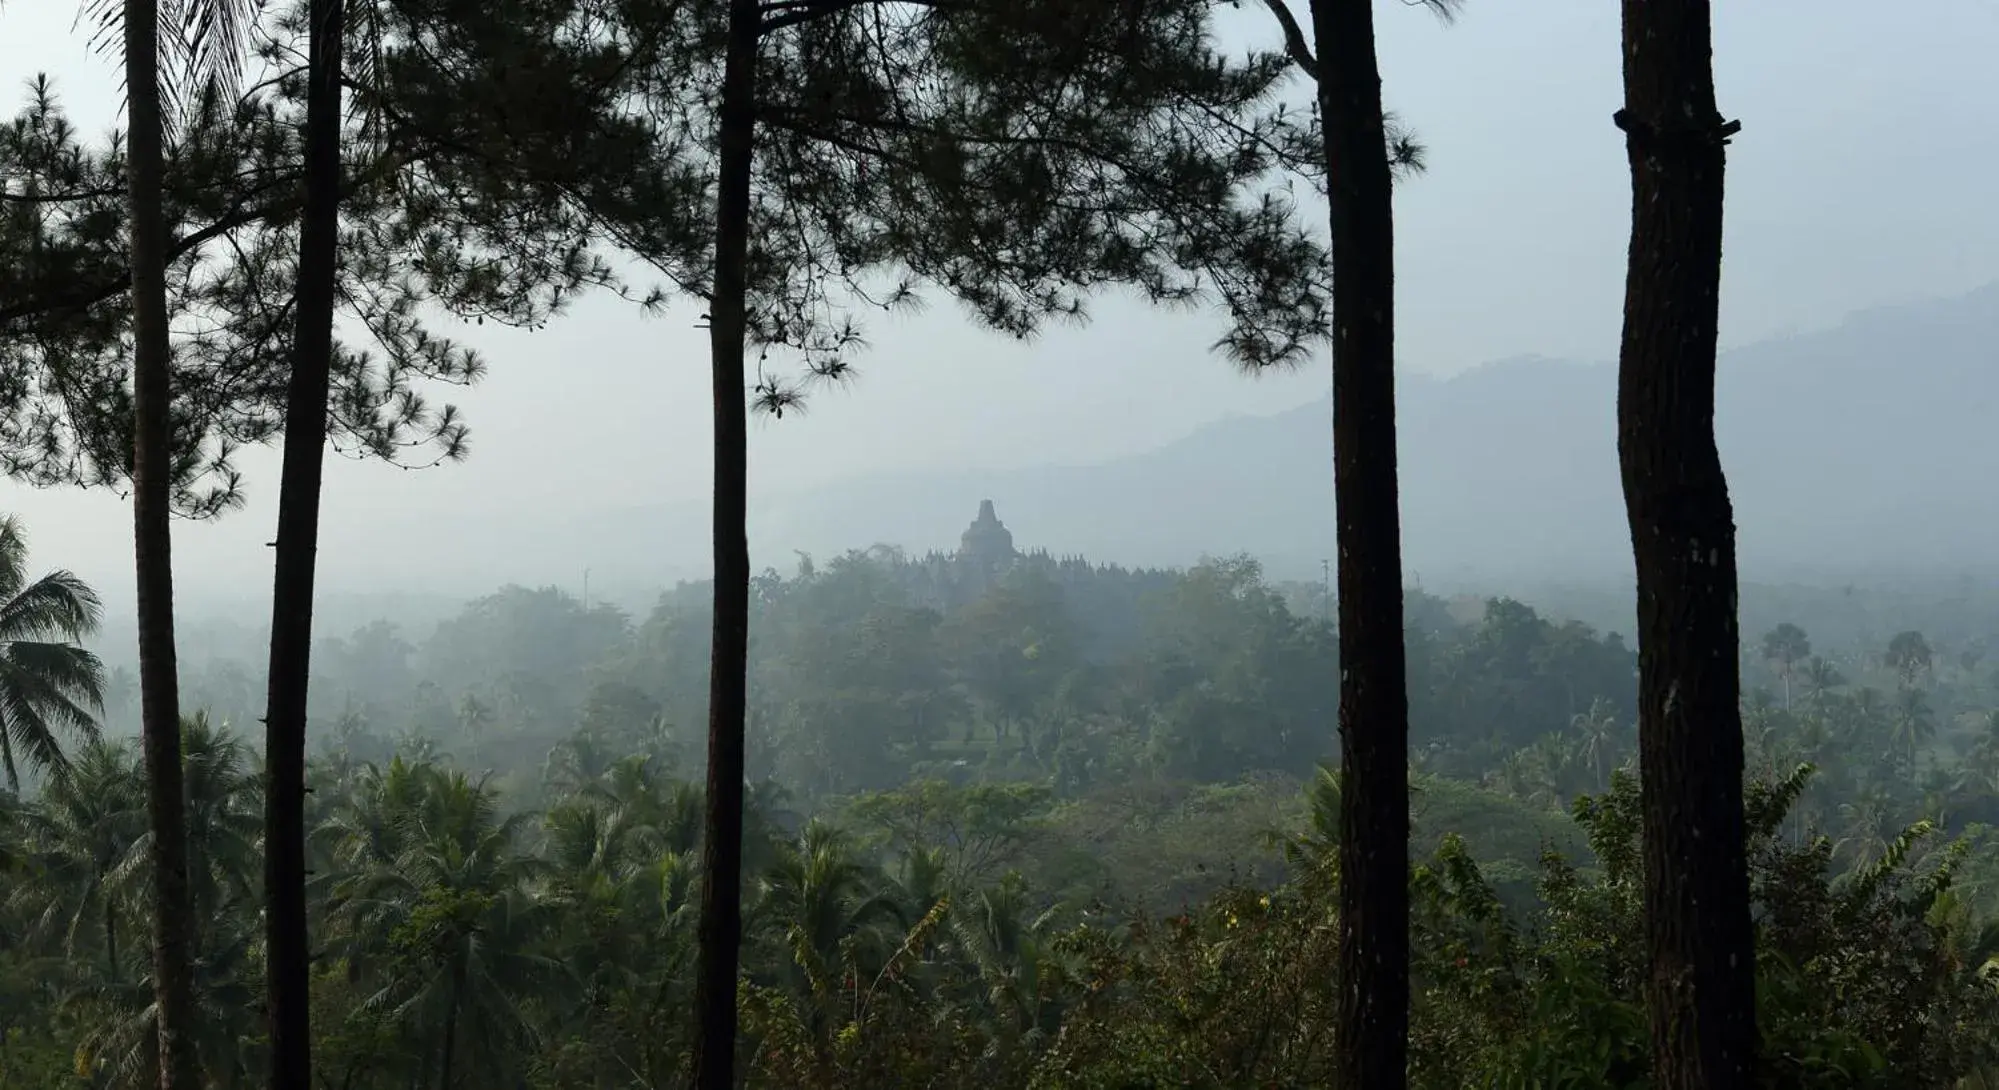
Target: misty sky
{"points": [[1861, 177]]}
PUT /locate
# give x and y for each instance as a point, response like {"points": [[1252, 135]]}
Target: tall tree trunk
{"points": [[111, 940], [152, 539], [1374, 700], [450, 1047], [1701, 989], [289, 970], [721, 926]]}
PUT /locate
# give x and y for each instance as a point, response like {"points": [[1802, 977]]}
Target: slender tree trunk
{"points": [[289, 971], [1374, 701], [450, 1046], [721, 926], [111, 940], [1701, 989], [152, 534]]}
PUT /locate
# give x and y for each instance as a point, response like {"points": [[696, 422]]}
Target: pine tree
{"points": [[436, 218], [1362, 152], [1702, 984], [288, 968], [1016, 155], [467, 187], [1374, 704], [1019, 156]]}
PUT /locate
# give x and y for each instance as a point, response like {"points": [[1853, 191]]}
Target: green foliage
{"points": [[49, 685], [433, 220], [981, 829], [498, 153], [1017, 156], [945, 904], [1862, 981]]}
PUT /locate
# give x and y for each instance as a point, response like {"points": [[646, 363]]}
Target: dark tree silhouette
{"points": [[1701, 988], [1374, 704], [719, 936], [435, 217], [1909, 656], [152, 533], [1094, 144], [288, 958]]}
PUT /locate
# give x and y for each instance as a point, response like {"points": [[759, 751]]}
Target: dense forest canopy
{"points": [[989, 817], [994, 789]]}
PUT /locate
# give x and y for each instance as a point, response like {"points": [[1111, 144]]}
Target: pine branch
{"points": [[784, 13], [1295, 45], [82, 298]]}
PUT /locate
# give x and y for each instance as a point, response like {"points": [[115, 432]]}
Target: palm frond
{"points": [[13, 556], [217, 35], [32, 710], [58, 605], [107, 37], [202, 45], [66, 680]]}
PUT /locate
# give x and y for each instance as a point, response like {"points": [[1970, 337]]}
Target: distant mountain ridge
{"points": [[1867, 447]]}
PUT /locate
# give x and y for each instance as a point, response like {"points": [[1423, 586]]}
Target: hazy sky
{"points": [[1861, 177]]}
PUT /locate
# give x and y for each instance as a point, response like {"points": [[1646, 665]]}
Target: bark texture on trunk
{"points": [[152, 539], [1374, 700], [721, 926], [450, 1042], [290, 976], [1701, 988]]}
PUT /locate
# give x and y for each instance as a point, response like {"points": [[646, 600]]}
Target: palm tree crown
{"points": [[48, 684]]}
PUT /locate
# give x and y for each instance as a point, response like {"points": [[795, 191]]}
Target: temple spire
{"points": [[987, 545]]}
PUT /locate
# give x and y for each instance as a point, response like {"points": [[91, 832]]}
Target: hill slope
{"points": [[1853, 452]]}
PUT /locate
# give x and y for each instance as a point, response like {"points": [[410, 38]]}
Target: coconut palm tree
{"points": [[439, 919], [1007, 944], [1821, 678], [666, 814], [577, 762], [49, 686], [1910, 656], [1867, 827], [620, 869], [625, 929], [1786, 645], [475, 718], [79, 839], [1914, 724], [829, 910], [1597, 739], [223, 797], [91, 829]]}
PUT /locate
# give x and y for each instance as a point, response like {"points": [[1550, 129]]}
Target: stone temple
{"points": [[987, 545]]}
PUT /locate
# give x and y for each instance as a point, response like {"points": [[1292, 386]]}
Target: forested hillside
{"points": [[990, 792], [1287, 785]]}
